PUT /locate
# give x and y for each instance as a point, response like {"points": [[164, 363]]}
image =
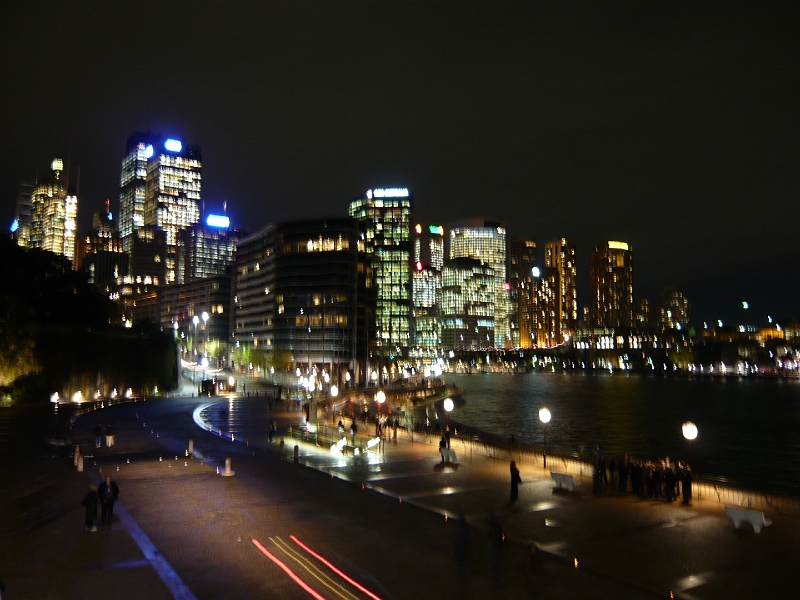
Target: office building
{"points": [[485, 241], [99, 251], [21, 226], [308, 288], [54, 211], [139, 149], [558, 294], [208, 248], [426, 284], [522, 291], [672, 309], [385, 215], [467, 312], [611, 285]]}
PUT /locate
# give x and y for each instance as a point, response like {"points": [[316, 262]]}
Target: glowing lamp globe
{"points": [[544, 415]]}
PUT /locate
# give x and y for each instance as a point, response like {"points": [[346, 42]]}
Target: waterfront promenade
{"points": [[396, 522]]}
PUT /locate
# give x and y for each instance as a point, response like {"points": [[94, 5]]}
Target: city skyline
{"points": [[671, 127]]}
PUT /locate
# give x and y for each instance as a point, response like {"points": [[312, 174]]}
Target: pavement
{"points": [[390, 524]]}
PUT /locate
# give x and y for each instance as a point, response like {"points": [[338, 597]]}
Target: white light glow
{"points": [[544, 415], [218, 221], [689, 430], [173, 145]]}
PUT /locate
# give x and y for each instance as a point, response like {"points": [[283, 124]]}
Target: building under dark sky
{"points": [[671, 126]]}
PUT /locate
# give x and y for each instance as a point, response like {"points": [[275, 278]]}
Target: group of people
{"points": [[104, 495], [657, 479], [100, 431]]}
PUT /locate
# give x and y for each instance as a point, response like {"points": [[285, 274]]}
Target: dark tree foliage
{"points": [[58, 333]]}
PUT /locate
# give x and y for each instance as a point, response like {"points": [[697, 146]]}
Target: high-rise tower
{"points": [[54, 211], [611, 285], [426, 281], [172, 195], [132, 181], [486, 241], [522, 292], [558, 296], [386, 216]]}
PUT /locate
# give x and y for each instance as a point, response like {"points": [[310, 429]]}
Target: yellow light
{"points": [[618, 245]]}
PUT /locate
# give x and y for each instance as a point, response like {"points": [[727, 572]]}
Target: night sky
{"points": [[671, 126]]}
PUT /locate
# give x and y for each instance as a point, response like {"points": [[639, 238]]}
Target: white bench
{"points": [[562, 479], [449, 455], [756, 518]]}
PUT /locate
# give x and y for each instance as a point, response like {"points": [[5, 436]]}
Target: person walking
{"points": [[515, 481], [90, 502], [98, 435], [108, 493], [109, 433]]}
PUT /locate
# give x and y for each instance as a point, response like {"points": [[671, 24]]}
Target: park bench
{"points": [[562, 479], [449, 455], [756, 518]]}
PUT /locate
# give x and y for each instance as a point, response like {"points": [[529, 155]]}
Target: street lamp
{"points": [[205, 330], [448, 407], [544, 417], [195, 320], [380, 398], [689, 432], [334, 392]]}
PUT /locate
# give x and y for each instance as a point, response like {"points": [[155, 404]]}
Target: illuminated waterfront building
{"points": [[54, 212], [672, 310], [307, 288], [386, 218], [485, 241], [523, 291], [426, 280], [641, 315], [207, 249], [467, 310], [558, 293], [611, 285]]}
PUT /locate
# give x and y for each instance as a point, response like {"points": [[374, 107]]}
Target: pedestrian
{"points": [[353, 431], [98, 435], [442, 446], [515, 481], [109, 433], [686, 484], [341, 430], [447, 435], [90, 502], [108, 493]]}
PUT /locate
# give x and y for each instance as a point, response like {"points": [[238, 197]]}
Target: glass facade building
{"points": [[54, 212], [558, 294], [467, 310], [485, 241], [426, 283], [385, 215], [611, 285]]}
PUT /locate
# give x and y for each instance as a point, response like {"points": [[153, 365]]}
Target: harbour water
{"points": [[749, 429]]}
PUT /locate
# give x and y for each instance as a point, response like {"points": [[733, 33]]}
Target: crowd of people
{"points": [[657, 479]]}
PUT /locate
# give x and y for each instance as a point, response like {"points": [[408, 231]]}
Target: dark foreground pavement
{"points": [[398, 524]]}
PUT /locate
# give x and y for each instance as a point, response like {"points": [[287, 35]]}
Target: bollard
{"points": [[296, 452], [228, 472], [191, 447], [282, 447], [77, 455], [80, 463]]}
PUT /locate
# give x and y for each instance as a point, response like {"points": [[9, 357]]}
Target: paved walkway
{"points": [[396, 523]]}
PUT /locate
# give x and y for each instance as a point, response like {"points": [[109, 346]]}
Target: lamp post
{"points": [[195, 320], [334, 392], [544, 417], [205, 332], [448, 408], [689, 432], [380, 398]]}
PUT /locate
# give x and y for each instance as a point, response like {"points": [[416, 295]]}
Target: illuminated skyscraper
{"points": [[558, 294], [386, 216], [485, 241], [172, 195], [207, 249], [467, 310], [54, 211], [522, 292], [611, 285], [132, 182], [21, 227], [99, 252], [426, 281]]}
